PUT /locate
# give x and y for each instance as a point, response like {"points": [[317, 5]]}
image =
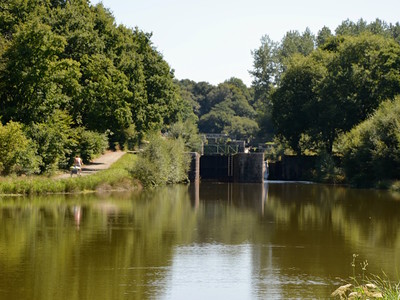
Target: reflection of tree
{"points": [[122, 247], [332, 223], [126, 243]]}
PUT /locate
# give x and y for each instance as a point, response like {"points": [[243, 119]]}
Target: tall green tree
{"points": [[323, 36], [105, 97], [36, 80], [265, 74], [293, 42], [361, 74], [265, 68], [295, 101]]}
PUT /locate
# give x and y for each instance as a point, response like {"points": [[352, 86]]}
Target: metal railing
{"points": [[223, 149]]}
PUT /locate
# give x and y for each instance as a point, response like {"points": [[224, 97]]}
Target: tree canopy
{"points": [[317, 92], [67, 64], [71, 56], [226, 108]]}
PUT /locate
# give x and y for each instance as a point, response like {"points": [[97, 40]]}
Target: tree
{"points": [[348, 27], [231, 103], [265, 73], [216, 120], [361, 74], [241, 128], [295, 101], [294, 42], [335, 88], [69, 55], [105, 97], [188, 132], [265, 68], [35, 80], [163, 105], [395, 31], [323, 36], [76, 22]]}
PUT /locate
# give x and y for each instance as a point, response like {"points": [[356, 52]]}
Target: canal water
{"points": [[209, 241]]}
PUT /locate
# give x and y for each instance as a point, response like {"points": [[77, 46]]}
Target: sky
{"points": [[212, 40]]}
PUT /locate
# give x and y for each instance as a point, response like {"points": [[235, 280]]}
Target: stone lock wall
{"points": [[240, 167]]}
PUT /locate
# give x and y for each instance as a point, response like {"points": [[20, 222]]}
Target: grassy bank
{"points": [[117, 177]]}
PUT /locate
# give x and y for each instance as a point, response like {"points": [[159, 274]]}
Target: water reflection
{"points": [[242, 241]]}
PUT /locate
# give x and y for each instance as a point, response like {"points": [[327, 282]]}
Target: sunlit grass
{"points": [[115, 178]]}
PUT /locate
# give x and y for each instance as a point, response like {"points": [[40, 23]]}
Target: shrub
{"points": [[55, 140], [327, 169], [90, 144], [371, 150], [187, 131], [163, 161], [17, 152]]}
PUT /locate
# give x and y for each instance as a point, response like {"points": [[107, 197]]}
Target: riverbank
{"points": [[103, 162], [107, 173]]}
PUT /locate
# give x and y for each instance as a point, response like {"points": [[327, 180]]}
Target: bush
{"points": [[187, 131], [327, 169], [371, 151], [17, 152], [163, 161], [55, 140], [90, 144]]}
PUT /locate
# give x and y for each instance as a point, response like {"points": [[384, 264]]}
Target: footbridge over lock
{"points": [[227, 162]]}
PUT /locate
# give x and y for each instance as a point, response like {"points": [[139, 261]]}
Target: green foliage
{"points": [[71, 56], [371, 151], [363, 72], [163, 161], [188, 132], [241, 128], [197, 94], [328, 169], [229, 110], [35, 81], [323, 36], [55, 141], [295, 102], [105, 97], [323, 92], [90, 144], [265, 68], [348, 27], [17, 152], [295, 43]]}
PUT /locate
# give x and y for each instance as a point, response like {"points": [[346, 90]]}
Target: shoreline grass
{"points": [[117, 177], [368, 287]]}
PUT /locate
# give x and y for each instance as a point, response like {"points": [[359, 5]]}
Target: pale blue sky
{"points": [[211, 40]]}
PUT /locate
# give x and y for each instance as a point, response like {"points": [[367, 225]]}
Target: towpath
{"points": [[101, 163]]}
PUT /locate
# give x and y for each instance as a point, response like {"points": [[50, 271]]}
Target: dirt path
{"points": [[101, 163]]}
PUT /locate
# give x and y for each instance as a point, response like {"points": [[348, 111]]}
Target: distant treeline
{"points": [[317, 95]]}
